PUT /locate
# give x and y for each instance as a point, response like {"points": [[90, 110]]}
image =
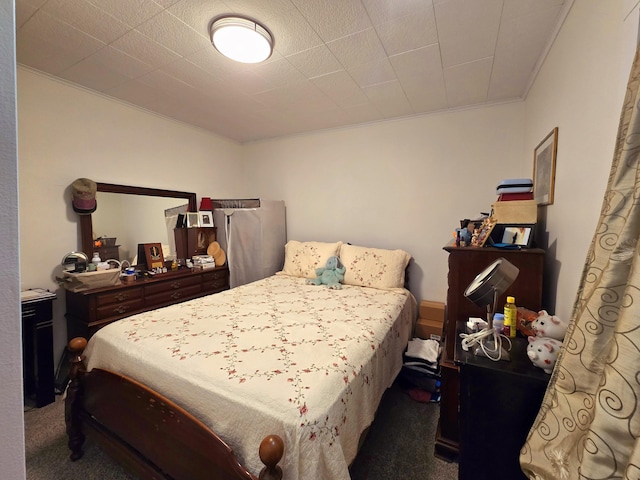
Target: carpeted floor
{"points": [[399, 446]]}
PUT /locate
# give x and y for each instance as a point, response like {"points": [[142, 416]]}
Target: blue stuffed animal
{"points": [[331, 275]]}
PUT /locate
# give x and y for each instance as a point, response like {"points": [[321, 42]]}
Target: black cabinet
{"points": [[499, 402], [37, 347]]}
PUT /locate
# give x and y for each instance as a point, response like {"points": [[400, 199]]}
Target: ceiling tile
{"points": [[341, 88], [467, 30], [93, 74], [520, 43], [382, 11], [130, 13], [24, 11], [55, 45], [468, 84], [335, 19], [174, 34], [389, 99], [358, 48], [315, 62], [139, 46], [372, 73], [408, 33], [86, 17]]}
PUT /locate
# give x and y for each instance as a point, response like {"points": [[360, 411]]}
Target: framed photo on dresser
{"points": [[153, 255]]}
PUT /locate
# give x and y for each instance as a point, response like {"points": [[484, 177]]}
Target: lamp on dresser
{"points": [[484, 291]]}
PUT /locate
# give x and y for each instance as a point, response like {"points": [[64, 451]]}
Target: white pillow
{"points": [[374, 267], [302, 258]]}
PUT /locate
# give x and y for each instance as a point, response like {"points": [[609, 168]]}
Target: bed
{"points": [[275, 363]]}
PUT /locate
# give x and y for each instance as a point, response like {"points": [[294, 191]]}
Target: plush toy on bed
{"points": [[330, 275]]}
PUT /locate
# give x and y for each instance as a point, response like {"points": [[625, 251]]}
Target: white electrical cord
{"points": [[480, 338]]}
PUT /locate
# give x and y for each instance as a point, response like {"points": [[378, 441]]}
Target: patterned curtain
{"points": [[589, 424]]}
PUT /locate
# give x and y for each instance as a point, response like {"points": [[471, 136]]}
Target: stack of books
{"points": [[515, 189], [515, 204], [203, 261]]}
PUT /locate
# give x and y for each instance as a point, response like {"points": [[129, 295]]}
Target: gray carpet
{"points": [[399, 446]]}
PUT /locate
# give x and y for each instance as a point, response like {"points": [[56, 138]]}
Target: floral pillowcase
{"points": [[374, 267], [302, 258]]}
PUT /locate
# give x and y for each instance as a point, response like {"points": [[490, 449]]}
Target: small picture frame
{"points": [[521, 235], [193, 219], [544, 168], [482, 234], [153, 255], [206, 218]]}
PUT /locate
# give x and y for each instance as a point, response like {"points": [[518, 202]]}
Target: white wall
{"points": [[400, 184], [405, 184], [65, 133], [580, 89], [12, 454]]}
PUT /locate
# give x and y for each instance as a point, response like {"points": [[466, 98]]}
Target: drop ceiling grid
{"points": [[335, 63]]}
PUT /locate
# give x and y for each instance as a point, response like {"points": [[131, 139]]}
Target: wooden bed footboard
{"points": [[149, 434]]}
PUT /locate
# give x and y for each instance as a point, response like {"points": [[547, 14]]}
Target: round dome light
{"points": [[241, 39]]}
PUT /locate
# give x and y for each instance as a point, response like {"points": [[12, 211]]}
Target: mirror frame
{"points": [[86, 223]]}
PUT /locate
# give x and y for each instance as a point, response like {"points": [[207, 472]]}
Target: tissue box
{"points": [[79, 282]]}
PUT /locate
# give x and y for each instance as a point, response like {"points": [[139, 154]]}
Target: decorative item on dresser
{"points": [[193, 241], [464, 264], [90, 310]]}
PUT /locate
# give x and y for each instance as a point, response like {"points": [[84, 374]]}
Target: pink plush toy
{"points": [[549, 326], [543, 352]]}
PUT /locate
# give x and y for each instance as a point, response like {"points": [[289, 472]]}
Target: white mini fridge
{"points": [[253, 234]]}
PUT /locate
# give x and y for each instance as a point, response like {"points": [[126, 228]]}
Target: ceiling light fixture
{"points": [[241, 39]]}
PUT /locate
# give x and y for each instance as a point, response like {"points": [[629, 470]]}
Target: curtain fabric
{"points": [[588, 426]]}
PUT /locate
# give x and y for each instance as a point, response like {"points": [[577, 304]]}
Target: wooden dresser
{"points": [[465, 263], [91, 310]]}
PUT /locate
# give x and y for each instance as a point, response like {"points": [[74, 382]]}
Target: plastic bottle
{"points": [[498, 323], [96, 258], [510, 317]]}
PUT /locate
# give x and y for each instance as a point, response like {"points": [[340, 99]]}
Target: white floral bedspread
{"points": [[276, 356]]}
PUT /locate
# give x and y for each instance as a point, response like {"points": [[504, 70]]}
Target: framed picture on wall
{"points": [[544, 168]]}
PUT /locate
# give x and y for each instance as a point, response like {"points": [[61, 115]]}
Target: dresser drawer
{"points": [[171, 296], [118, 296], [118, 309], [171, 285], [215, 281]]}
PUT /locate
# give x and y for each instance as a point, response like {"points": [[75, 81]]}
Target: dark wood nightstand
{"points": [[498, 404], [464, 264], [38, 372]]}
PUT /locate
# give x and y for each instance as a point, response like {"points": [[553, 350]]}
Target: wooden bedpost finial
{"points": [[271, 451], [77, 345]]}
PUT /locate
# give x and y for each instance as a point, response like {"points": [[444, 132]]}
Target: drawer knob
{"points": [[175, 285], [120, 309], [121, 296], [176, 295]]}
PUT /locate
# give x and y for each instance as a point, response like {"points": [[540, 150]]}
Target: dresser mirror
{"points": [[132, 215]]}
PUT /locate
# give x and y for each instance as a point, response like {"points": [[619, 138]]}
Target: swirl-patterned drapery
{"points": [[588, 426]]}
